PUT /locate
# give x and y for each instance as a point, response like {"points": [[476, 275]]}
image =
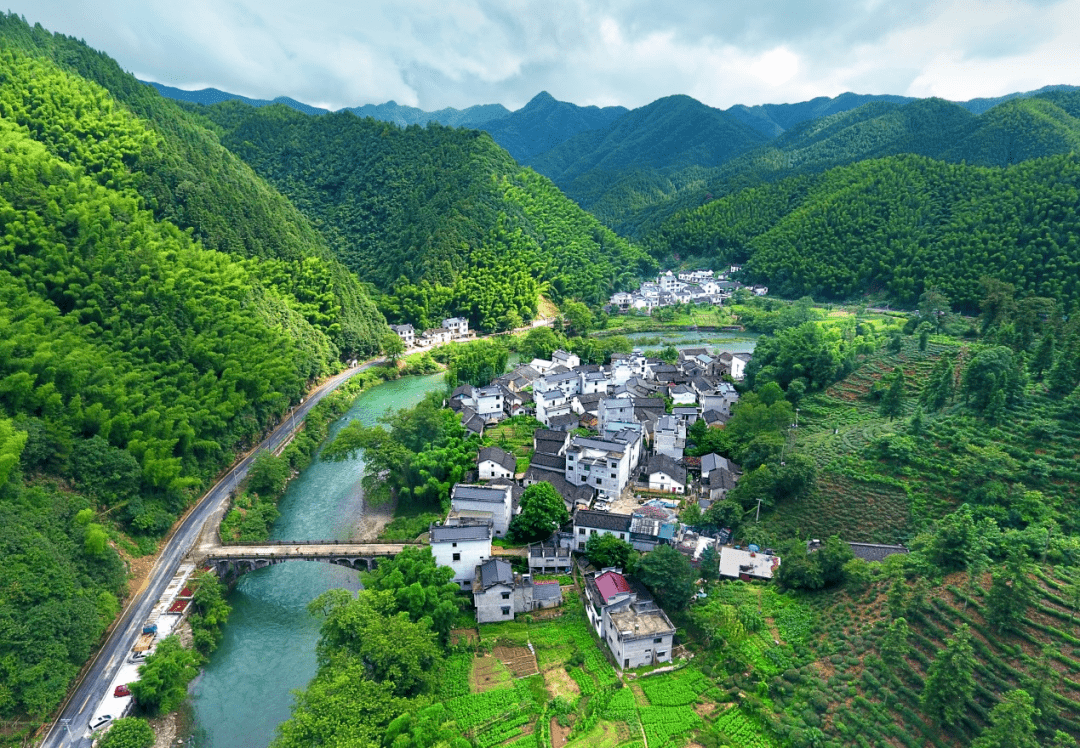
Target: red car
{"points": [[122, 690]]}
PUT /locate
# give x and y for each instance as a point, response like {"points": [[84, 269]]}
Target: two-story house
{"points": [[603, 465], [406, 333], [493, 504], [588, 523], [666, 475], [458, 327], [499, 594], [669, 437], [638, 633], [461, 546]]}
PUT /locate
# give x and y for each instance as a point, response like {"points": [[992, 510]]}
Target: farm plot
{"points": [[520, 661]]}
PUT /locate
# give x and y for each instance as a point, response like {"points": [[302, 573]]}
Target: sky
{"points": [[457, 53]]}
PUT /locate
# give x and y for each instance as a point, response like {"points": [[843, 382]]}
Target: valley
{"points": [[858, 313]]}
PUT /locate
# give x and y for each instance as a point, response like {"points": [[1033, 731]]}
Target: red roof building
{"points": [[611, 584]]}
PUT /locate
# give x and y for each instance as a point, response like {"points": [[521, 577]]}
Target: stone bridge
{"points": [[230, 561]]}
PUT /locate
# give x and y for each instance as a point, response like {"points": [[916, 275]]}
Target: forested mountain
{"points": [[544, 123], [901, 224], [1015, 131], [441, 220], [476, 116], [208, 96], [160, 306], [772, 120]]}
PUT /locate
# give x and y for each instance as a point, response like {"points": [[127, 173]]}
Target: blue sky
{"points": [[439, 53]]}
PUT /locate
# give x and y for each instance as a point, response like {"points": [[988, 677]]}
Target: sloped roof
{"points": [[547, 590], [500, 457], [496, 571], [875, 551], [610, 584], [550, 461], [602, 520], [489, 494], [661, 463]]}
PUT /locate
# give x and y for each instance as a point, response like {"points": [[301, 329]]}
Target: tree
{"points": [[1010, 594], [268, 474], [392, 346], [894, 645], [1012, 723], [709, 568], [608, 551], [934, 305], [938, 390], [1044, 355], [129, 732], [163, 678], [543, 511], [949, 681], [991, 371], [892, 403], [578, 317], [392, 649], [668, 575], [210, 612]]}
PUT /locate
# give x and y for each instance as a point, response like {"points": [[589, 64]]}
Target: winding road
{"points": [[95, 681]]}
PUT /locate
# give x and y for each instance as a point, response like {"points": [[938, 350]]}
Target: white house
{"points": [[489, 402], [406, 333], [637, 632], [666, 475], [458, 327], [482, 503], [604, 465], [743, 564], [562, 358], [499, 594], [495, 463], [461, 547], [437, 336], [588, 523], [669, 437]]}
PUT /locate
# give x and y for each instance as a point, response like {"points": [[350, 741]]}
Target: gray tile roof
{"points": [[875, 551], [456, 533], [500, 457], [496, 571], [478, 493], [547, 591], [602, 520], [549, 461], [662, 463]]}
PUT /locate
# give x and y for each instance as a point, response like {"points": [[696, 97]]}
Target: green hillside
{"points": [[441, 220], [187, 178], [137, 355], [899, 225], [636, 203]]}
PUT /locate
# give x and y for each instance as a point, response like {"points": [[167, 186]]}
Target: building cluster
{"points": [[453, 328], [690, 286]]}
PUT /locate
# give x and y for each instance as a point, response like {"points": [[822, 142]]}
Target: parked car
{"points": [[122, 690], [100, 722], [138, 658]]}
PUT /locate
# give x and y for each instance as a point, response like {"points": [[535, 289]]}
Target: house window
{"points": [[457, 556], [581, 531], [581, 546], [453, 545], [660, 654], [622, 536], [658, 640], [598, 481], [506, 596], [592, 532], [506, 610]]}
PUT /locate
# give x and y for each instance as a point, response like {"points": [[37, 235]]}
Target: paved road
{"points": [[95, 682]]}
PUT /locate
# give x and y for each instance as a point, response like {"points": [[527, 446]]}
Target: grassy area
{"points": [[410, 522], [514, 435]]}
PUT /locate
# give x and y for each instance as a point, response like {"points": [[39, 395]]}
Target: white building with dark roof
{"points": [[638, 633], [669, 438], [589, 523], [458, 327], [482, 503], [666, 475], [406, 333], [499, 594], [461, 546], [493, 462]]}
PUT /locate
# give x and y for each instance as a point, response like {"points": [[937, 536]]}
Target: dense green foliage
{"points": [[184, 176], [209, 612], [668, 575], [440, 219], [163, 678], [422, 454], [129, 732], [901, 225], [542, 513], [58, 592]]}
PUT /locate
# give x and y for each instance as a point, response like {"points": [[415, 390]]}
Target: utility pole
{"points": [[757, 517]]}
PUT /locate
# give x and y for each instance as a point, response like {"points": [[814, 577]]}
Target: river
{"points": [[268, 648]]}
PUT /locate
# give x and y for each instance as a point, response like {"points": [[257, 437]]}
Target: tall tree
{"points": [[543, 511], [668, 575], [1012, 723], [950, 679], [892, 402]]}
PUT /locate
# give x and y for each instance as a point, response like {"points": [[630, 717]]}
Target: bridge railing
{"points": [[322, 542]]}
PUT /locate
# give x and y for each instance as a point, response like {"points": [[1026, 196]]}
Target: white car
{"points": [[138, 658], [100, 722]]}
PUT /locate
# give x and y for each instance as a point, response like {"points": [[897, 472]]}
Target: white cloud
{"points": [[436, 53]]}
